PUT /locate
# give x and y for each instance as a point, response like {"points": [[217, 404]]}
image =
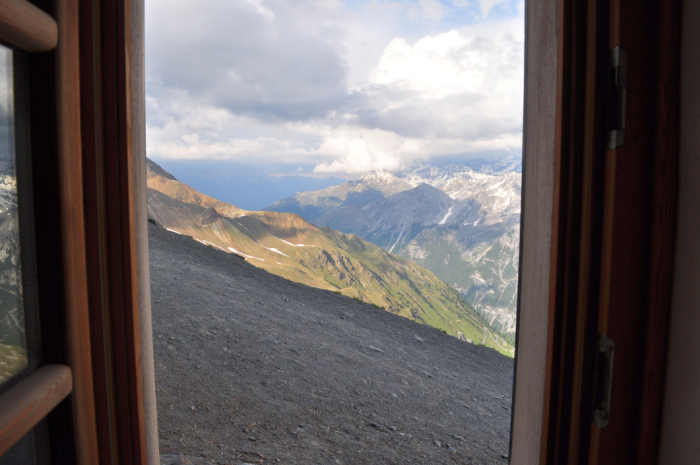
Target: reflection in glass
{"points": [[13, 342]]}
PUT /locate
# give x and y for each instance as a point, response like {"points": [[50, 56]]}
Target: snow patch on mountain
{"points": [[293, 245], [245, 255], [447, 215], [272, 249], [379, 176], [460, 221], [8, 192]]}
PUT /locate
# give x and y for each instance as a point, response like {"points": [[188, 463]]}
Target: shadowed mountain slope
{"points": [[462, 222], [288, 246], [253, 368], [391, 222], [370, 187]]}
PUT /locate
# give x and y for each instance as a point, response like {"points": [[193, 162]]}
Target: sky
{"points": [[331, 88]]}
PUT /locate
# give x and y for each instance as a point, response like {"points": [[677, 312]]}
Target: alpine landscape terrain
{"points": [[285, 244], [462, 222], [252, 368], [13, 353]]}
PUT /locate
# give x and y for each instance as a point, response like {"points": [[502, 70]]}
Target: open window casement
{"points": [[92, 391], [599, 218], [596, 254]]}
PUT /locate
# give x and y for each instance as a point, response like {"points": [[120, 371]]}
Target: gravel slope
{"points": [[252, 368]]}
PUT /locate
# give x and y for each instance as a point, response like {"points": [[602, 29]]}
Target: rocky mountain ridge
{"points": [[461, 222], [288, 246], [252, 368]]}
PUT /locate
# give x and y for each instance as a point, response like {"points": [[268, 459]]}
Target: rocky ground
{"points": [[252, 368]]}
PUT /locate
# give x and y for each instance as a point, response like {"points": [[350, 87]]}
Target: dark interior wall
{"points": [[681, 427]]}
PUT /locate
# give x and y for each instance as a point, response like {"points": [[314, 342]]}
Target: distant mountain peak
{"points": [[160, 180], [379, 175], [286, 245], [154, 169]]}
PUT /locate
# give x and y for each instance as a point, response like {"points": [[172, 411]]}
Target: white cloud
{"points": [[431, 10], [317, 83], [488, 5], [451, 63], [354, 150]]}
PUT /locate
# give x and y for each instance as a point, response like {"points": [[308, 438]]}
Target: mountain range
{"points": [[13, 354], [287, 245], [462, 222]]}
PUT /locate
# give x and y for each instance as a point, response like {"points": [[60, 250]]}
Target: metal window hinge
{"points": [[617, 97], [604, 374]]}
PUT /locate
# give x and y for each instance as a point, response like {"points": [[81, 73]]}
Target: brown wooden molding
{"points": [[73, 231], [576, 230], [27, 27], [108, 177], [613, 231], [27, 403]]}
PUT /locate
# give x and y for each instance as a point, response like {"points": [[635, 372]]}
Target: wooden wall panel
{"points": [[73, 229]]}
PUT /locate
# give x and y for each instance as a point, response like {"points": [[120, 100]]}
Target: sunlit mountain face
{"points": [[460, 221], [364, 91], [284, 244]]}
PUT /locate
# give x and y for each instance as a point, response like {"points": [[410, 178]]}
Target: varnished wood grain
{"points": [[23, 406], [663, 234], [119, 210], [73, 231], [642, 208], [27, 27], [108, 172], [138, 113], [576, 230]]}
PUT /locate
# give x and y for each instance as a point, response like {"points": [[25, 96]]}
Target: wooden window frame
{"points": [[27, 28], [567, 284], [89, 277], [612, 230]]}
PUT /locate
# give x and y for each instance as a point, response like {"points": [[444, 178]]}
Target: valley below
{"points": [[254, 368]]}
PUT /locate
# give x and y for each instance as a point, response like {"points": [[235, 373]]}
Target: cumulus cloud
{"points": [[449, 85], [488, 5], [355, 151], [272, 59], [431, 10], [348, 87]]}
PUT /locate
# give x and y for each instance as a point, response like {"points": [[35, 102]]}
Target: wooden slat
{"points": [[119, 210], [576, 230], [109, 210], [73, 231], [27, 27], [23, 406]]}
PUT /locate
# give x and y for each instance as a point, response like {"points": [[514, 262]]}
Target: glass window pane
{"points": [[13, 339]]}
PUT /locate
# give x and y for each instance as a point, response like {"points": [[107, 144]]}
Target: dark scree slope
{"points": [[252, 368]]}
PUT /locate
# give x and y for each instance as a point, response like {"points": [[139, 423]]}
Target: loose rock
{"points": [[316, 368]]}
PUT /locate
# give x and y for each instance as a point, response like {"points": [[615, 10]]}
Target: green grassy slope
{"points": [[486, 275], [288, 246]]}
